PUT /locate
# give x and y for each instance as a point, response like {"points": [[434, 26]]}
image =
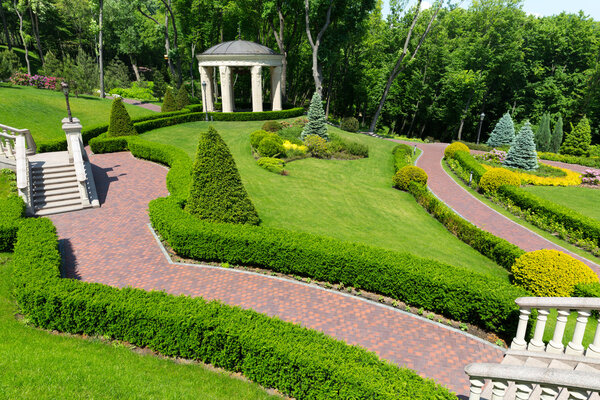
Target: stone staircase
{"points": [[55, 189]]}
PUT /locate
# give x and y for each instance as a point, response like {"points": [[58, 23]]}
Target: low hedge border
{"points": [[12, 209], [403, 156], [470, 164], [299, 362], [587, 161]]}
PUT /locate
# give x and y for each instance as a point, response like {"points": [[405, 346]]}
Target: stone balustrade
{"points": [[23, 178], [76, 147], [8, 136]]}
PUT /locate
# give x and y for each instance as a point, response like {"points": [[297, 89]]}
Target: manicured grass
{"points": [[5, 179], [41, 111], [581, 199], [36, 364], [590, 330], [348, 200]]}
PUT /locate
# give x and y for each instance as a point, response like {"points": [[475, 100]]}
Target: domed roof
{"points": [[239, 47]]}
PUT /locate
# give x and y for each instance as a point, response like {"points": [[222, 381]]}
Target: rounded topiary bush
{"points": [[271, 126], [453, 148], [496, 177], [408, 174], [271, 147], [550, 273], [256, 137], [349, 124], [182, 99]]}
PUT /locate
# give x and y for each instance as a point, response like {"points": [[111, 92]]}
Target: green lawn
{"points": [[348, 200], [5, 180], [41, 111], [38, 365], [581, 199]]}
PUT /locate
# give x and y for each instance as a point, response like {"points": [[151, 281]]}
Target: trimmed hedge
{"points": [[497, 249], [409, 174], [452, 291], [299, 362], [469, 163], [12, 209], [587, 161], [403, 156], [587, 290]]}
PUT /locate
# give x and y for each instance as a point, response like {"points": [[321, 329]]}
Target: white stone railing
{"points": [[579, 385], [22, 166], [8, 135], [76, 146]]}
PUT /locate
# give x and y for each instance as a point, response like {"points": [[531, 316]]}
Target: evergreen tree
{"points": [[522, 153], [503, 133], [182, 99], [9, 63], [120, 123], [160, 86], [84, 73], [557, 135], [116, 75], [217, 193], [316, 119], [543, 135], [52, 66], [577, 142], [169, 103]]}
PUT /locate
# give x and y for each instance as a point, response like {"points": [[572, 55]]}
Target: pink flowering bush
{"points": [[495, 155], [38, 81], [590, 177]]}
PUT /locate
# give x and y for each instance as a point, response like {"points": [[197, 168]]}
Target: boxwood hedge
{"points": [[469, 163], [12, 209]]}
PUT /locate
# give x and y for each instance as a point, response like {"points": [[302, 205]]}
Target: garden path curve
{"points": [[476, 212], [114, 245]]}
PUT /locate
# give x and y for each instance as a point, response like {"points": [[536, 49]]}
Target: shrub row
{"points": [[451, 291], [497, 249], [571, 220], [587, 161], [587, 290], [299, 362], [470, 164], [403, 156], [11, 210]]}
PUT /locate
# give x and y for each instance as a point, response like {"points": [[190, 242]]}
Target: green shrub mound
{"points": [[551, 273], [587, 290], [409, 174], [317, 124], [350, 124], [452, 291], [120, 122], [12, 209], [451, 149], [342, 148], [271, 126], [217, 193], [257, 136], [271, 147], [169, 102], [317, 146], [403, 156], [577, 142], [182, 99], [470, 164], [271, 164], [503, 133], [587, 161], [496, 177], [298, 362], [522, 153]]}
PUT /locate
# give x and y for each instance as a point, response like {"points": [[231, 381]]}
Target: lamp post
{"points": [[204, 101], [482, 116], [65, 88]]}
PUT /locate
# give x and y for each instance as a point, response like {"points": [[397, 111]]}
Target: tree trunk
{"points": [[136, 70], [464, 115], [412, 123], [169, 11], [329, 94], [101, 47], [22, 36], [314, 44], [36, 32], [282, 48], [5, 25]]}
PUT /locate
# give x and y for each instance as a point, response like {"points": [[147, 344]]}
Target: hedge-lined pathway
{"points": [[147, 106], [473, 210], [113, 245]]}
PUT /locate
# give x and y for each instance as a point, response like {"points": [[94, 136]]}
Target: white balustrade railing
{"points": [[579, 385], [76, 146], [8, 135], [22, 166]]}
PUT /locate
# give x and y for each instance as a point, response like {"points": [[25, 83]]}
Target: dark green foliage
{"points": [[557, 136], [11, 210], [577, 142], [160, 86], [82, 75], [589, 162], [349, 124], [292, 134], [169, 103], [497, 249], [120, 122], [316, 119], [342, 148], [271, 147], [271, 126], [503, 133], [452, 291], [116, 75], [217, 193], [522, 153], [9, 63], [101, 145], [587, 290], [589, 228], [543, 137], [403, 156], [183, 98], [469, 163], [54, 145], [52, 66]]}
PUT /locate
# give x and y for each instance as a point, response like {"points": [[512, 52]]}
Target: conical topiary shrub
{"points": [[503, 133], [217, 193], [522, 153], [543, 136], [577, 142], [557, 135], [120, 122], [169, 103], [316, 119], [182, 99]]}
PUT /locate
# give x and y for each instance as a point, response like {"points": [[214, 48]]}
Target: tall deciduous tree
{"points": [[19, 7]]}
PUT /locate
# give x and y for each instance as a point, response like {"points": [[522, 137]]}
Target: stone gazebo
{"points": [[236, 54]]}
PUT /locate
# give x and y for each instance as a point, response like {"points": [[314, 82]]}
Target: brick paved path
{"points": [[470, 208], [113, 245], [148, 106]]}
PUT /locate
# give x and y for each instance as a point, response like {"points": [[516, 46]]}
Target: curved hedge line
{"points": [[403, 156], [299, 362], [587, 161], [12, 209], [469, 163]]}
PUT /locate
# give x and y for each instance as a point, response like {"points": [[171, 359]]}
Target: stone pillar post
{"points": [[276, 88], [71, 129], [256, 88], [206, 81], [226, 88]]}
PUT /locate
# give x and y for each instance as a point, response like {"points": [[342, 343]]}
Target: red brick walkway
{"points": [[473, 210], [113, 245]]}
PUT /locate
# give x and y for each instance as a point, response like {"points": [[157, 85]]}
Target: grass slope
{"points": [[583, 200], [41, 111], [38, 365], [348, 200]]}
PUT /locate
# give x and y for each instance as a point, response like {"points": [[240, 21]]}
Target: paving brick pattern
{"points": [[473, 210], [113, 245]]}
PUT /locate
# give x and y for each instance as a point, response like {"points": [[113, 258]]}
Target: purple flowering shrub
{"points": [[496, 156], [38, 81], [590, 177]]}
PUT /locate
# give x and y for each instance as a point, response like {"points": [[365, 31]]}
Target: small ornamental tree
{"points": [[316, 119], [182, 99], [217, 193], [503, 133], [543, 137], [577, 142], [160, 86], [557, 135], [120, 122], [169, 103], [522, 153]]}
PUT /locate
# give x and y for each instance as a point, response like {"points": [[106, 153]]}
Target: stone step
{"points": [[58, 191], [53, 174], [45, 198], [52, 180], [58, 210], [51, 186], [43, 205]]}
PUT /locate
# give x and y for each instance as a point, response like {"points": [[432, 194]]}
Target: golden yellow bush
{"points": [[453, 148], [572, 178], [551, 273], [496, 177], [406, 175]]}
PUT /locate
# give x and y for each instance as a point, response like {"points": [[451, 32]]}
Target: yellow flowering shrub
{"points": [[571, 178], [550, 273], [293, 146], [406, 175], [453, 148], [496, 177]]}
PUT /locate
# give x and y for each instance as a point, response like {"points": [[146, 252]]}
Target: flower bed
{"points": [[571, 178], [38, 81]]}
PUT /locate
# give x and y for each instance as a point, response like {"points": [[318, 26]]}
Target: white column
{"points": [[575, 347], [519, 342], [536, 344], [226, 89], [71, 128], [555, 345], [207, 89], [256, 88], [476, 388], [594, 348], [276, 88]]}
